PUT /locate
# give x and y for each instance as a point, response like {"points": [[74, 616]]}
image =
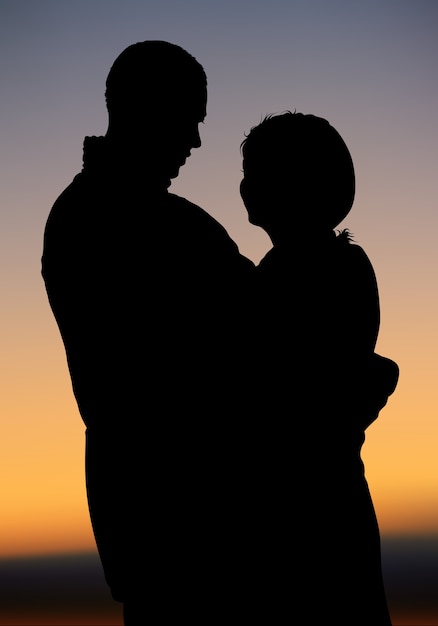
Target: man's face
{"points": [[172, 134], [181, 137]]}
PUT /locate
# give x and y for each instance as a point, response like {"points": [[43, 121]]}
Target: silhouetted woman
{"points": [[315, 322]]}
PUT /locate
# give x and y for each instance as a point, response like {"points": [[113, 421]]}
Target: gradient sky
{"points": [[369, 67]]}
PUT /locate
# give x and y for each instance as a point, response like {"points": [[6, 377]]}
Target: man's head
{"points": [[156, 95], [297, 172]]}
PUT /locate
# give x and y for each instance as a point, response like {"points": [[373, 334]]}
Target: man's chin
{"points": [[175, 171]]}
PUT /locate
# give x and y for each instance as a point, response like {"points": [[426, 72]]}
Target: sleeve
{"points": [[362, 304]]}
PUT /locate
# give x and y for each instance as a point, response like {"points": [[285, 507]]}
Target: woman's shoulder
{"points": [[347, 245]]}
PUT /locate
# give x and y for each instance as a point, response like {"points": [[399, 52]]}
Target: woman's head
{"points": [[297, 171]]}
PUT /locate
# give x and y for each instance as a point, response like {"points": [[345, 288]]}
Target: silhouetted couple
{"points": [[225, 404]]}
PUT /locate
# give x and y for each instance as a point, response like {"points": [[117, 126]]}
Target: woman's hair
{"points": [[306, 152]]}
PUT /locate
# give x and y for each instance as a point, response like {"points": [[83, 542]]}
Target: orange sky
{"points": [[43, 447]]}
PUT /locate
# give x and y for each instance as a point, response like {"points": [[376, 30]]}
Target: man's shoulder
{"points": [[69, 197], [63, 213], [192, 211], [201, 228]]}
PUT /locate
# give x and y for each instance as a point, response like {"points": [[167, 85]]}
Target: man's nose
{"points": [[196, 138]]}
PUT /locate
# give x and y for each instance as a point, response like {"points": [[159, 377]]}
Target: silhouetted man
{"points": [[143, 286]]}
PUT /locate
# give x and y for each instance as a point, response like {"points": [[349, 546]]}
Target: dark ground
{"points": [[69, 590]]}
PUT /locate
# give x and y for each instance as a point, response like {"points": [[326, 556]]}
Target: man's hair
{"points": [[310, 153], [150, 72]]}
